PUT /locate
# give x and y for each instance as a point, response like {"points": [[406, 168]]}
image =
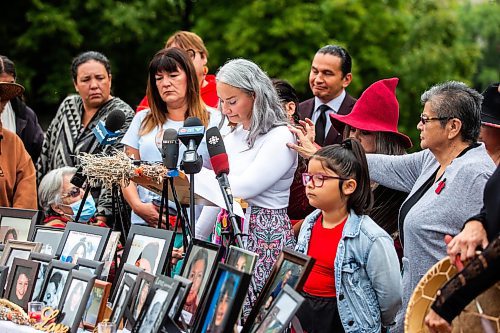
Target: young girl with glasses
{"points": [[355, 284]]}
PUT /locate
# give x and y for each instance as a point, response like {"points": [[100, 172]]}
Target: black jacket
{"points": [[28, 128]]}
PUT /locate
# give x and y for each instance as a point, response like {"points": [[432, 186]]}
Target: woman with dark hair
{"points": [[53, 290], [11, 234], [174, 95], [70, 132], [197, 271], [78, 251], [221, 306], [148, 256], [17, 116]]}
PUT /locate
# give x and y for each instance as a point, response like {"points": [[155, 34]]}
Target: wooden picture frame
{"points": [[143, 284], [127, 270], [124, 292], [44, 260], [55, 282], [203, 252], [241, 259], [75, 298], [94, 312], [21, 282], [228, 286], [22, 221], [92, 266], [281, 312], [18, 249], [50, 238], [4, 273], [289, 260], [82, 241]]}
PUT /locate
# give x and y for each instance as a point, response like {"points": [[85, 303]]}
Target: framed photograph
{"points": [[224, 300], [21, 281], [82, 241], [241, 259], [4, 273], [143, 284], [291, 268], [49, 237], [91, 266], [94, 312], [147, 248], [157, 305], [2, 246], [199, 265], [17, 224], [55, 280], [18, 249], [122, 299], [44, 260], [281, 312], [109, 253], [127, 270], [75, 297], [180, 299]]}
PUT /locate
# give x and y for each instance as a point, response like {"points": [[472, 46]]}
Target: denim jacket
{"points": [[367, 275]]}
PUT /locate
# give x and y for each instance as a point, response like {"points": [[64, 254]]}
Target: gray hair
{"points": [[454, 99], [267, 111], [49, 191]]}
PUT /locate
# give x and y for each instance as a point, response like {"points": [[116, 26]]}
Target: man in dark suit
{"points": [[330, 75]]}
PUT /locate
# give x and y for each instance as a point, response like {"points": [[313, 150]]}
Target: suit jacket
{"points": [[334, 135]]}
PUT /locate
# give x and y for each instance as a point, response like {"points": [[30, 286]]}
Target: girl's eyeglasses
{"points": [[317, 179]]}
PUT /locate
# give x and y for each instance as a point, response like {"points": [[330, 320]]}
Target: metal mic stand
{"points": [[80, 209], [117, 203], [191, 164]]}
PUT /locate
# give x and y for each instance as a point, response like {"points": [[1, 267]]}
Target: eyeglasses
{"points": [[73, 193], [317, 179], [424, 119]]}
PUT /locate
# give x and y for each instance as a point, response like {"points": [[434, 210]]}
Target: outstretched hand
{"points": [[464, 244]]}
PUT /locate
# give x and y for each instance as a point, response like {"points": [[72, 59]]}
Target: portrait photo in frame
{"points": [[109, 253], [291, 268], [49, 237], [17, 224], [91, 266], [2, 247], [82, 241], [129, 270], [94, 312], [281, 312], [224, 300], [143, 284], [199, 266], [124, 293], [18, 249], [75, 298], [180, 299], [55, 281], [21, 282], [4, 273], [44, 260], [241, 259]]}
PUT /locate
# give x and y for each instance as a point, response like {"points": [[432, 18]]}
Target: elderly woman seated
{"points": [[61, 200]]}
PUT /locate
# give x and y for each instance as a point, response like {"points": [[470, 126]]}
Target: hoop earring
{"points": [[205, 70]]}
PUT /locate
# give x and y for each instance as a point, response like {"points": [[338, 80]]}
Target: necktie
{"points": [[320, 125]]}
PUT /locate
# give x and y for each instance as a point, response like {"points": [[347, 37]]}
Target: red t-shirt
{"points": [[208, 94], [323, 247]]}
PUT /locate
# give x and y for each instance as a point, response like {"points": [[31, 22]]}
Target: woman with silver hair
{"points": [[60, 199], [262, 166], [445, 180]]}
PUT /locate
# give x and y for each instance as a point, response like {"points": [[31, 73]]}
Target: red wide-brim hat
{"points": [[377, 110]]}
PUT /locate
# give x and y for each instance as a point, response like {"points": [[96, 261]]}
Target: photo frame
{"points": [[94, 312], [50, 238], [241, 259], [4, 273], [224, 300], [44, 260], [55, 281], [281, 312], [21, 282], [201, 259], [148, 248], [127, 270], [82, 241], [109, 253], [157, 305], [75, 298], [178, 303], [92, 266], [2, 247], [122, 300], [290, 268], [18, 249], [18, 224], [143, 284]]}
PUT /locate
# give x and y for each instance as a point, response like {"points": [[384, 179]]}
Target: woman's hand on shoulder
{"points": [[467, 241]]}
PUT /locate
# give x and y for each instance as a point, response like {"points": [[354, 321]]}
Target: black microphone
{"points": [[219, 160], [191, 135], [106, 133], [170, 149]]}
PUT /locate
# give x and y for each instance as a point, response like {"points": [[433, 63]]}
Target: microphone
{"points": [[170, 151], [219, 160], [108, 133], [191, 135]]}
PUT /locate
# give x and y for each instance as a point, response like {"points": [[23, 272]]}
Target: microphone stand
{"points": [[80, 209], [118, 205]]}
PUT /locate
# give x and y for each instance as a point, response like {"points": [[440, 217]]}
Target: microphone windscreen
{"points": [[217, 151], [115, 120], [192, 121], [170, 148]]}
